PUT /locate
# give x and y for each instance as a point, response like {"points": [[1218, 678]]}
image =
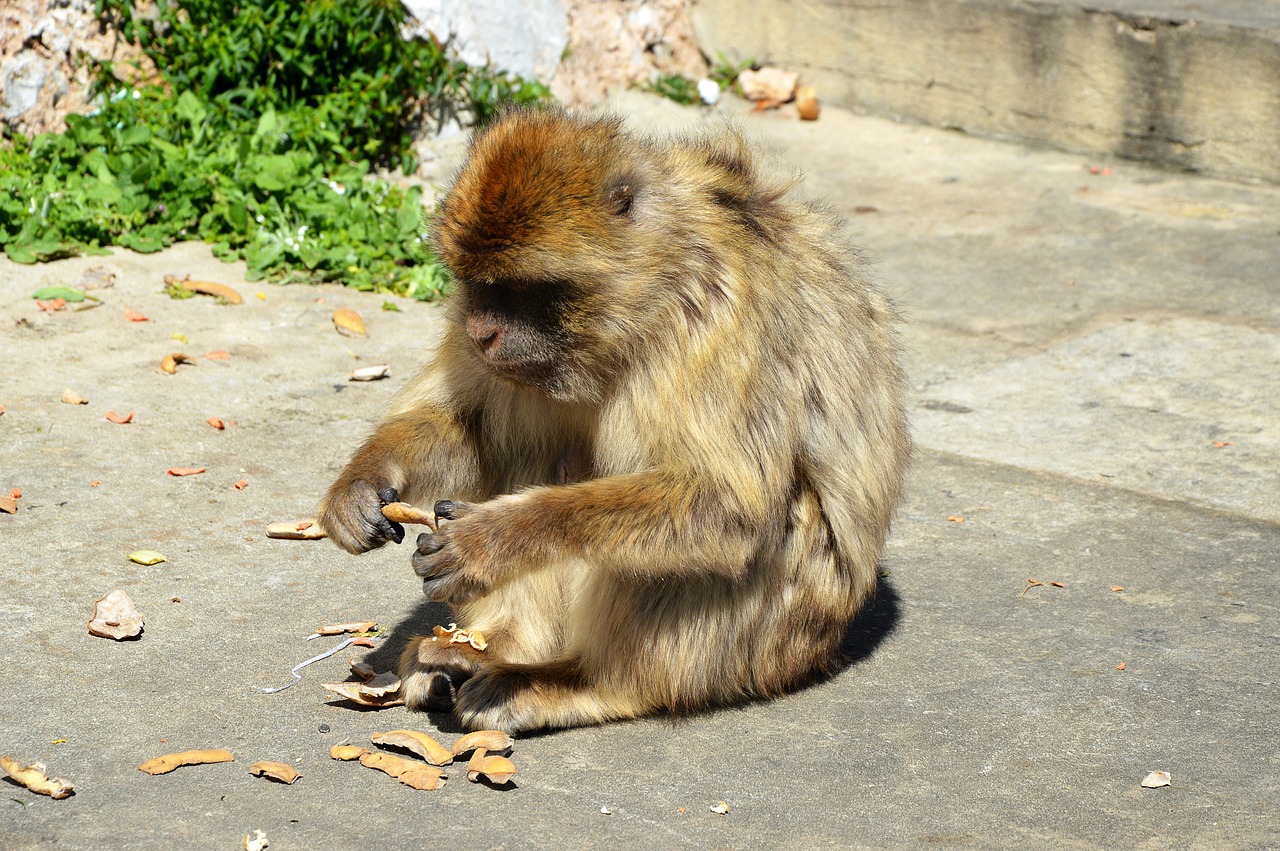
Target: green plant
{"points": [[259, 138], [725, 72], [678, 88]]}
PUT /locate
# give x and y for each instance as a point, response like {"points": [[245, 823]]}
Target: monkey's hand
{"points": [[352, 516], [454, 562]]}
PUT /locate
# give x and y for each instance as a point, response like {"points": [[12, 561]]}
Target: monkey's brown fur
{"points": [[675, 405]]}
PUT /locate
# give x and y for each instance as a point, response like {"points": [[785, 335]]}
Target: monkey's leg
{"points": [[432, 671], [514, 697]]}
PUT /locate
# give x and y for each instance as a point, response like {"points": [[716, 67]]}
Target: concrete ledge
{"points": [[1188, 85]]}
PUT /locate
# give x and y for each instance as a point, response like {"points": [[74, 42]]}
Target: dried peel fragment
{"points": [[298, 530], [498, 769], [492, 741], [170, 363], [168, 762], [407, 771], [353, 692], [453, 635], [420, 743], [348, 323], [219, 291], [376, 372], [349, 626], [347, 753], [280, 771], [114, 616], [1156, 779], [33, 777]]}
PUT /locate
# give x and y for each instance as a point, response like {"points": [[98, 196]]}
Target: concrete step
{"points": [[1192, 85]]}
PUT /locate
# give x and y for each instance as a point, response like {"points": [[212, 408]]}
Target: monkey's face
{"points": [[521, 331]]}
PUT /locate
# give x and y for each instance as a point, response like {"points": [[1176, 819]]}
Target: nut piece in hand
{"points": [[403, 512]]}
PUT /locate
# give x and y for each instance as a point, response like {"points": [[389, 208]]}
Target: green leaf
{"points": [[140, 244], [65, 293], [138, 134], [275, 173], [107, 193]]}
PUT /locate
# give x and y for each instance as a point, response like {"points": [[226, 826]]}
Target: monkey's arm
{"points": [[647, 525], [412, 455]]}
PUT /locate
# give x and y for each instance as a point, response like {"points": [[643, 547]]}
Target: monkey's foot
{"points": [[431, 674], [530, 697]]}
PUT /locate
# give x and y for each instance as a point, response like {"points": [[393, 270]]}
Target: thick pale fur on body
{"points": [[689, 511]]}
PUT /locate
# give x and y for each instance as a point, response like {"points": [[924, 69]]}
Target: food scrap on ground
{"points": [[349, 323], [257, 842], [498, 769], [768, 87], [33, 777], [240, 484], [186, 471], [347, 752], [114, 616], [299, 530], [371, 693], [493, 741], [113, 417], [376, 372], [409, 772], [147, 557], [279, 771], [168, 762], [71, 397], [342, 628], [170, 363], [222, 292], [218, 355], [217, 423], [420, 743], [9, 504], [1156, 779], [135, 316]]}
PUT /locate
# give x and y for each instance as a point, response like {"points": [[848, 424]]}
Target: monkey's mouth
{"points": [[534, 373]]}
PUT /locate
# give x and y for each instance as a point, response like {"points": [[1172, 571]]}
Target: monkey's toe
{"points": [[434, 690]]}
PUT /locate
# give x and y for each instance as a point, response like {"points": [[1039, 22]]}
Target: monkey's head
{"points": [[540, 233]]}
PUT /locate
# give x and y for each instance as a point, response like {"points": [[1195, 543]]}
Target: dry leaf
{"points": [[114, 616], [1156, 779], [135, 316], [147, 557], [168, 762], [420, 743], [221, 291], [349, 323], [299, 530], [170, 363], [351, 691], [403, 512], [280, 771], [240, 485], [34, 778], [8, 505], [351, 626], [218, 355], [216, 423], [72, 398], [376, 372], [113, 417], [347, 752]]}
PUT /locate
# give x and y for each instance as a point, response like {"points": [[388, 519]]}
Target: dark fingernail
{"points": [[389, 495], [445, 508], [428, 544]]}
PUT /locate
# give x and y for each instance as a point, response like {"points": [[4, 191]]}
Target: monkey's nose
{"points": [[486, 335]]}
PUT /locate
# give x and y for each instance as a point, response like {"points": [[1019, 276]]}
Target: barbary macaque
{"points": [[664, 431]]}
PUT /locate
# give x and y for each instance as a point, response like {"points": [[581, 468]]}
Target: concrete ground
{"points": [[1096, 369]]}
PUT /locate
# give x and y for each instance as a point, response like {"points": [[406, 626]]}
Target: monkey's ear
{"points": [[621, 196]]}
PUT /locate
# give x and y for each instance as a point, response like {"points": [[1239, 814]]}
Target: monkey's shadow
{"points": [[863, 636]]}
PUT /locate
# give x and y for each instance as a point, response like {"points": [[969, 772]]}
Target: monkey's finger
{"points": [[448, 509], [392, 531], [429, 544], [389, 495]]}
